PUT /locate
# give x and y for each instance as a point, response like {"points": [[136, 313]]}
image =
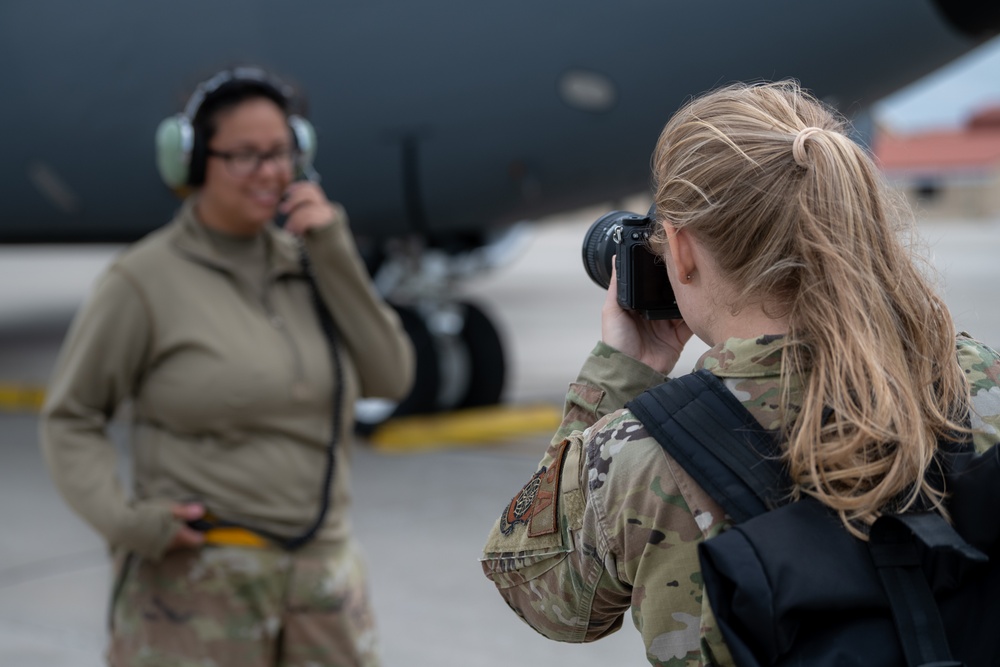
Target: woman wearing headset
{"points": [[234, 545]]}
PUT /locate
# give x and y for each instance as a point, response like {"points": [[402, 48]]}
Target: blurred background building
{"points": [[938, 140], [948, 173]]}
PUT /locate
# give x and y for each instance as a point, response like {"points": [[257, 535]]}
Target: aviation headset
{"points": [[181, 149]]}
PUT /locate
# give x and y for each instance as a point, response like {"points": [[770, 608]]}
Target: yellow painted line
{"points": [[402, 434], [21, 397], [464, 427]]}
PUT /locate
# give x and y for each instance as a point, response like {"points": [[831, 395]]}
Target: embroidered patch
{"points": [[536, 504], [519, 509]]}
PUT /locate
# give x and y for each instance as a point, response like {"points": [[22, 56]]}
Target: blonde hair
{"points": [[800, 222]]}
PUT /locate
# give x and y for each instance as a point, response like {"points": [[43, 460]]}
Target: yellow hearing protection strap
{"points": [[234, 537], [223, 534]]}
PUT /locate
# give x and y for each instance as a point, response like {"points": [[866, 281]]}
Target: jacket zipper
{"points": [[300, 388]]}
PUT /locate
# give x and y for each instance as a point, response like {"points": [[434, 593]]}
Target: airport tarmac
{"points": [[420, 516]]}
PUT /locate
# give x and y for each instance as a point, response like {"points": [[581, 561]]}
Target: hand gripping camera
{"points": [[642, 279]]}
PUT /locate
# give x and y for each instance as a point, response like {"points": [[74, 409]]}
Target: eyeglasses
{"points": [[245, 162]]}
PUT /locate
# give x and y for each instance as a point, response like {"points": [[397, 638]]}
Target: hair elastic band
{"points": [[799, 145]]}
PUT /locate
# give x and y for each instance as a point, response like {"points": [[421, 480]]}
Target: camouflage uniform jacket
{"points": [[611, 522]]}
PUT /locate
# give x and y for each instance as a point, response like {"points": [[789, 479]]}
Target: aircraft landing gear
{"points": [[460, 363], [460, 354]]}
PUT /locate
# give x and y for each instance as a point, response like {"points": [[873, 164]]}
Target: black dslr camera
{"points": [[642, 279]]}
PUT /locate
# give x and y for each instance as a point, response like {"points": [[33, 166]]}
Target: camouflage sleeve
{"points": [[607, 381], [543, 566], [982, 367], [655, 516], [608, 523]]}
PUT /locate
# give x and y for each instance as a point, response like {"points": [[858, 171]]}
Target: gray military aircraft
{"points": [[440, 122]]}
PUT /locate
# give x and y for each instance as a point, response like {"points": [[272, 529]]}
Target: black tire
{"points": [[486, 358], [427, 378]]}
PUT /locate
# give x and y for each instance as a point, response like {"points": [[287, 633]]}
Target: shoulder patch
{"points": [[537, 503]]}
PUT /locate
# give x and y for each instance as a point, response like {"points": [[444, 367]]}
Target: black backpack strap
{"points": [[707, 430], [720, 444], [894, 543]]}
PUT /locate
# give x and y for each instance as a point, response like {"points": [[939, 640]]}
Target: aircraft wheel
{"points": [[426, 383], [460, 364], [487, 366]]}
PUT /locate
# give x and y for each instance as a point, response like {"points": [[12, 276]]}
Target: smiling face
{"points": [[243, 204]]}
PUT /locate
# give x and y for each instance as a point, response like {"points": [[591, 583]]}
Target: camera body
{"points": [[643, 287]]}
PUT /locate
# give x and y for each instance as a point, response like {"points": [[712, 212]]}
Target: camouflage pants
{"points": [[222, 606]]}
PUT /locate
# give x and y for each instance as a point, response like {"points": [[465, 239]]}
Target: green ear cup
{"points": [[174, 139], [175, 135]]}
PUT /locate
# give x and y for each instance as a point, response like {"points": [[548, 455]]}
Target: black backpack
{"points": [[789, 585]]}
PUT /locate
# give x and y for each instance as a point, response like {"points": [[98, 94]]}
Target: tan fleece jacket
{"points": [[230, 388]]}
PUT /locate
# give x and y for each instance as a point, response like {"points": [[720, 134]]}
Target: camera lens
{"points": [[599, 247]]}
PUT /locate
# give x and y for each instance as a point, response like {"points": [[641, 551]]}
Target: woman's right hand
{"points": [[656, 343], [186, 537]]}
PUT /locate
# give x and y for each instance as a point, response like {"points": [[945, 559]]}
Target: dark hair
{"points": [[228, 96]]}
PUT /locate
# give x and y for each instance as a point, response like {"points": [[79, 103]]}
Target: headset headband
{"points": [[255, 74]]}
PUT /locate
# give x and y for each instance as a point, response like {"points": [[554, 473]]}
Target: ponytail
{"points": [[799, 220]]}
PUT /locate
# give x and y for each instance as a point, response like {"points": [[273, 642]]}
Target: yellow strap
{"points": [[234, 537]]}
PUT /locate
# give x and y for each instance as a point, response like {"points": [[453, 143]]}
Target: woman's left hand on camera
{"points": [[656, 343], [307, 208]]}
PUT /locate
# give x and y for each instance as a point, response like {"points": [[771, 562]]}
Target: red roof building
{"points": [[947, 173]]}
